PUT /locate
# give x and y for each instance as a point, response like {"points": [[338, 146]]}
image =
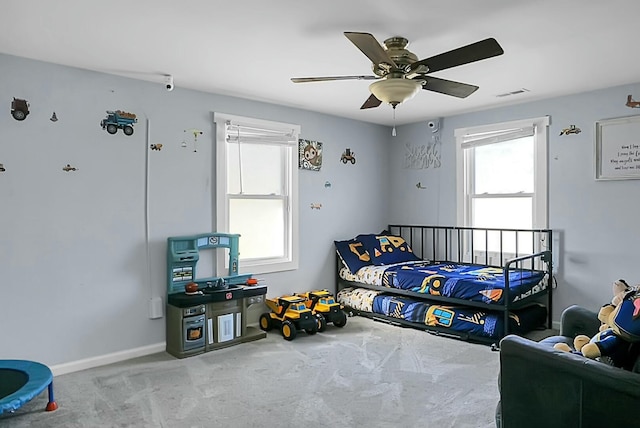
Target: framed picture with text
{"points": [[617, 148]]}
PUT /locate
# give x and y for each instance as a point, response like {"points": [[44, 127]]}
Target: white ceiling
{"points": [[251, 48]]}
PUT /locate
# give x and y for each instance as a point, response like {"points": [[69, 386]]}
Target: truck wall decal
{"points": [[19, 108], [119, 119]]}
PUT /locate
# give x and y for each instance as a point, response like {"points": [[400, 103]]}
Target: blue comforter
{"points": [[470, 282], [458, 318]]}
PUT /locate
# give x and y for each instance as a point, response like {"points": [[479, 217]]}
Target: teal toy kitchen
{"points": [[210, 312]]}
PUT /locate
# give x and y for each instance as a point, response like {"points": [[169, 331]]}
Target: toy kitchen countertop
{"points": [[206, 295]]}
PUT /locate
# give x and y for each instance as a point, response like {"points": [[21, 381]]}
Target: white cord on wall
{"points": [[155, 302], [146, 205]]}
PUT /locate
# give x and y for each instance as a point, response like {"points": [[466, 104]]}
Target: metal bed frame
{"points": [[471, 245]]}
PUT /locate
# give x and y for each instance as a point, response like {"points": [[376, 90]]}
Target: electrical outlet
{"points": [[155, 308]]}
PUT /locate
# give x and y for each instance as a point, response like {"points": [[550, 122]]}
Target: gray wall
{"points": [[596, 221], [75, 279]]}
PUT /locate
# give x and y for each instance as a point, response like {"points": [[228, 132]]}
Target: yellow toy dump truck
{"points": [[290, 314], [325, 308]]}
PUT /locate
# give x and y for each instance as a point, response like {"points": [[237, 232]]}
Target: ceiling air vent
{"points": [[516, 92]]}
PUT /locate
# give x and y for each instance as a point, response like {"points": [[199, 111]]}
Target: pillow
{"points": [[353, 254], [385, 249]]}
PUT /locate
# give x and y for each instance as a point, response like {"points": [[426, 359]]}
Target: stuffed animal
{"points": [[620, 328], [619, 289], [578, 342]]}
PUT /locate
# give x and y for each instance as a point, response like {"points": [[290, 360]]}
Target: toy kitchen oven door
{"points": [[186, 330]]}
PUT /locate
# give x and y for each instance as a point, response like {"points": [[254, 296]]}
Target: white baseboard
{"points": [[102, 360], [556, 325]]}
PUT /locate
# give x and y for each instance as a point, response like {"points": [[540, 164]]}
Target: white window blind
{"points": [[492, 137], [238, 132]]}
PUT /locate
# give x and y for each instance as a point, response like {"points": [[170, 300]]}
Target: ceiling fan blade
{"points": [[447, 87], [371, 102], [474, 52], [370, 47], [327, 78]]}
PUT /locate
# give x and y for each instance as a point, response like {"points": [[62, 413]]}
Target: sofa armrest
{"points": [[543, 387], [577, 320]]}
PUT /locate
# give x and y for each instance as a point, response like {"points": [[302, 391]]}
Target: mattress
{"points": [[459, 319]]}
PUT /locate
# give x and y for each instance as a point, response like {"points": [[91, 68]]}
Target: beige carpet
{"points": [[368, 374]]}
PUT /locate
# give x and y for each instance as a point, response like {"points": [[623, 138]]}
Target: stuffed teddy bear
{"points": [[620, 328], [578, 343], [619, 289]]}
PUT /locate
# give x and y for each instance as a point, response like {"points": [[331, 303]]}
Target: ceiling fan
{"points": [[399, 75]]}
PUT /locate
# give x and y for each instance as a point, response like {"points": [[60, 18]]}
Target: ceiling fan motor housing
{"points": [[396, 48]]}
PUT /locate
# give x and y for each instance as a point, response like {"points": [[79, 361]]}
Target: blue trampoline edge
{"points": [[39, 377]]}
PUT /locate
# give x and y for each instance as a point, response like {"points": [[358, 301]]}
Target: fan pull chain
{"points": [[393, 131]]}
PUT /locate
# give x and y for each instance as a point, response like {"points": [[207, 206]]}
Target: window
{"points": [[502, 178], [257, 190]]}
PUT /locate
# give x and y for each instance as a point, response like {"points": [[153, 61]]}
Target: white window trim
{"points": [[290, 261], [540, 204]]}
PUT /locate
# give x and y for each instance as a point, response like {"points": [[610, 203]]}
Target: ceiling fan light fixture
{"points": [[395, 91]]}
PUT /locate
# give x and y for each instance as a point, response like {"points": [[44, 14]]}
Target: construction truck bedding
{"points": [[463, 319]]}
